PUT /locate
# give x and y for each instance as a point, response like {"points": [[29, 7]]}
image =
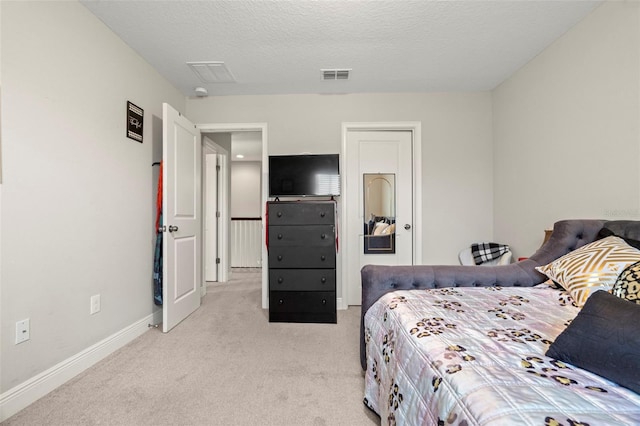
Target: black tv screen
{"points": [[304, 175]]}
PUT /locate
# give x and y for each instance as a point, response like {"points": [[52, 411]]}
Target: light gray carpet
{"points": [[224, 365]]}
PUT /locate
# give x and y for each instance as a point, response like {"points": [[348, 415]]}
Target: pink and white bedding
{"points": [[475, 356]]}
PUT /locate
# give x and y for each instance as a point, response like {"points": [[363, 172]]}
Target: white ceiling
{"points": [[279, 47]]}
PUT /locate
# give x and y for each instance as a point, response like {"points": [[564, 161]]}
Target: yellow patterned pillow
{"points": [[595, 266]]}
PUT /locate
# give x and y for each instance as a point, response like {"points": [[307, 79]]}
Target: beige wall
{"points": [[566, 130], [457, 206], [77, 214]]}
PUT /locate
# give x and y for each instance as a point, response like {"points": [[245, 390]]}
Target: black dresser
{"points": [[302, 261]]}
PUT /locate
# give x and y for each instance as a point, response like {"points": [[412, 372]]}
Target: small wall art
{"points": [[135, 121]]}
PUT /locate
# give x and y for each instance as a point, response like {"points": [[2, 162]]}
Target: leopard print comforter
{"points": [[475, 356]]}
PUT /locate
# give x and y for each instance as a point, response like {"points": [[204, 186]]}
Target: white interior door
{"points": [[224, 249], [387, 152], [182, 211], [211, 220]]}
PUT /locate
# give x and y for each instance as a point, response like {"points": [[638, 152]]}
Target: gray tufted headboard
{"points": [[567, 235]]}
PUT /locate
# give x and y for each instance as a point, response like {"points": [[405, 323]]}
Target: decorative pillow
{"points": [[592, 267], [603, 338], [627, 285], [379, 228], [389, 230], [606, 232]]}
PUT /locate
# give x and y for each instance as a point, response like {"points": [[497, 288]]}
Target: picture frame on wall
{"points": [[135, 122]]}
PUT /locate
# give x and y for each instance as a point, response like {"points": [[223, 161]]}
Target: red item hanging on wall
{"points": [[159, 199]]}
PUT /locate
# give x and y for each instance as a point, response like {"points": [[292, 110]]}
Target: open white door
{"points": [[181, 211]]}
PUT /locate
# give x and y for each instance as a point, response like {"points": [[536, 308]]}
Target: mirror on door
{"points": [[380, 213]]}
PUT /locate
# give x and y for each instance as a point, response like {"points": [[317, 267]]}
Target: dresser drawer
{"points": [[312, 235], [302, 257], [302, 279], [302, 301], [301, 213]]}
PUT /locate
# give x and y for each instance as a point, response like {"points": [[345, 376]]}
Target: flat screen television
{"points": [[304, 175]]}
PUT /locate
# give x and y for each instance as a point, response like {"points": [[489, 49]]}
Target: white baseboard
{"points": [[26, 393]]}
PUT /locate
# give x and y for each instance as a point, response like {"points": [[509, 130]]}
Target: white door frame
{"points": [[250, 127], [415, 127], [211, 148], [209, 208]]}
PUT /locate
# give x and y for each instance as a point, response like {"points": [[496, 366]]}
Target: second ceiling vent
{"points": [[336, 74]]}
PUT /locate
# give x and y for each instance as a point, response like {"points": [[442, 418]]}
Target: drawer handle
{"points": [[280, 302], [322, 214], [280, 280], [279, 214], [279, 236], [279, 257], [323, 236], [324, 301], [323, 280], [323, 257]]}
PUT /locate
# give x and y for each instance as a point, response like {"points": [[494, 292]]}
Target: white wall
{"points": [[78, 201], [245, 189], [566, 129], [457, 161]]}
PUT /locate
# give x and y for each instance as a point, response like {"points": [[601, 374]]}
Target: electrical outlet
{"points": [[95, 304], [22, 331]]}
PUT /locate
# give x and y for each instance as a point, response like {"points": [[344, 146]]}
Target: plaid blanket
{"points": [[484, 252]]}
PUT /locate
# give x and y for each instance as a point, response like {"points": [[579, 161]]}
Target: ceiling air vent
{"points": [[212, 72], [341, 74]]}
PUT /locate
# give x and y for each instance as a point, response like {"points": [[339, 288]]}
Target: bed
{"points": [[467, 345]]}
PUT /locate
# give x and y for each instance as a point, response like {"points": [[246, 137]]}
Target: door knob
{"points": [[172, 228], [407, 227]]}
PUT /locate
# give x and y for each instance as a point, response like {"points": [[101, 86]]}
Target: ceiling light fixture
{"points": [[239, 156]]}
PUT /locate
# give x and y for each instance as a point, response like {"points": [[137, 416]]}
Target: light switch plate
{"points": [[95, 304]]}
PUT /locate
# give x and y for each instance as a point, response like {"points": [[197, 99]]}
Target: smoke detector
{"points": [[201, 92]]}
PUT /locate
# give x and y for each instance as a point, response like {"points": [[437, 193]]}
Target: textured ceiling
{"points": [[279, 47]]}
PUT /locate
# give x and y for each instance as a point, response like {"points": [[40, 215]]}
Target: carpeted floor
{"points": [[224, 365]]}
